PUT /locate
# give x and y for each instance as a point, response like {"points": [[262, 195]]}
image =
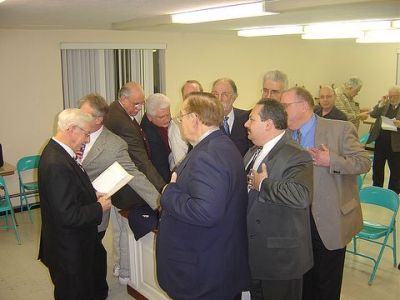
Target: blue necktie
{"points": [[226, 125]]}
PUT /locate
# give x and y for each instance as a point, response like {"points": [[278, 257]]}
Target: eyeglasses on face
{"points": [[87, 133], [266, 91], [286, 105], [222, 95], [180, 116]]}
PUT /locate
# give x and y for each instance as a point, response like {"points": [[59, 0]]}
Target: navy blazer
{"points": [[158, 153], [202, 240], [239, 132], [70, 213]]}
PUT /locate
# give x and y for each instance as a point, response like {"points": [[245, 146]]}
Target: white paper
{"points": [[387, 124], [112, 179]]}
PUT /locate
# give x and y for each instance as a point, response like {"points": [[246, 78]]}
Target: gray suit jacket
{"points": [[107, 149], [376, 128], [278, 217], [336, 205]]}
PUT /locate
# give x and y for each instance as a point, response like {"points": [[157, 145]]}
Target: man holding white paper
{"points": [[103, 150], [386, 135]]}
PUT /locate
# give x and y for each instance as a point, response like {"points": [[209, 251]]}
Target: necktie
{"points": [[226, 125], [253, 160], [79, 154], [298, 136]]}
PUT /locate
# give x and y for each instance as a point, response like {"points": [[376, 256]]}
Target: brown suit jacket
{"points": [[336, 205], [120, 123]]}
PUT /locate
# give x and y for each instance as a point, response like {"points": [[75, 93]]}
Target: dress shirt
{"points": [[93, 138], [307, 133], [231, 119]]}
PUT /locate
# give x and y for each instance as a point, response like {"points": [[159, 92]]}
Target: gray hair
{"points": [[276, 75], [156, 101], [228, 80], [128, 88], [97, 103], [354, 83], [73, 117]]}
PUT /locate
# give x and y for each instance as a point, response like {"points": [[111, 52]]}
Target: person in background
{"points": [[346, 103], [101, 152], [70, 210], [120, 120], [278, 214], [335, 210], [225, 90], [275, 82], [326, 107], [387, 142], [201, 246], [155, 124], [190, 86]]}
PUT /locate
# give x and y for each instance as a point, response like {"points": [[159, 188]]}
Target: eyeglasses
{"points": [[222, 95], [270, 92], [87, 133], [286, 105], [179, 117]]}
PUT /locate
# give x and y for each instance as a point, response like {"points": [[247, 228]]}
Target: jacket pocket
{"points": [[282, 242], [349, 206]]}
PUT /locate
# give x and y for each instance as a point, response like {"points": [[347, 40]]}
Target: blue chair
{"points": [[375, 232], [6, 210], [363, 140], [360, 181], [27, 189]]}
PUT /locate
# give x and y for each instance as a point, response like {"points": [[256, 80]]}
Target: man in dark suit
{"points": [[102, 151], [387, 143], [202, 240], [335, 211], [70, 210], [155, 124], [121, 121], [233, 123], [278, 214]]}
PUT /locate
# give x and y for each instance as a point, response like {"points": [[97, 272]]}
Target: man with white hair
{"points": [[155, 123], [275, 82], [345, 101], [70, 210]]}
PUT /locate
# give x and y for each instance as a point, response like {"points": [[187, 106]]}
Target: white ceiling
{"points": [[154, 14]]}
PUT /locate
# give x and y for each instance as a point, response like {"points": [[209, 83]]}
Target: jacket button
{"points": [[258, 221]]}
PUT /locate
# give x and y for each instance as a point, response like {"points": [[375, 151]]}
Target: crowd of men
{"points": [[262, 201]]}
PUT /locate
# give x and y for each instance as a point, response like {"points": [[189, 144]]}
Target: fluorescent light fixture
{"points": [[396, 24], [333, 27], [380, 36], [272, 30], [332, 35], [221, 13]]}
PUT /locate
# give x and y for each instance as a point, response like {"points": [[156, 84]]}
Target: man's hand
{"points": [[396, 123], [104, 202], [321, 156], [173, 180], [255, 178]]}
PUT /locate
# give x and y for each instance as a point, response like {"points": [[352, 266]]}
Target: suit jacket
{"points": [[336, 205], [377, 113], [70, 212], [202, 238], [120, 123], [239, 132], [107, 149], [278, 217], [158, 153]]}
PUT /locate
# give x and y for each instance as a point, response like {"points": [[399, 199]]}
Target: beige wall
{"points": [[30, 72]]}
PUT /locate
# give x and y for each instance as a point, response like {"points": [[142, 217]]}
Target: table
{"points": [[7, 169]]}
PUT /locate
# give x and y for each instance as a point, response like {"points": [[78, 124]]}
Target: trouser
{"points": [[383, 152], [324, 280], [276, 289], [120, 242], [100, 269]]}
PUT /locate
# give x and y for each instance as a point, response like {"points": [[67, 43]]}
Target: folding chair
{"points": [[27, 189], [375, 231], [6, 210]]}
